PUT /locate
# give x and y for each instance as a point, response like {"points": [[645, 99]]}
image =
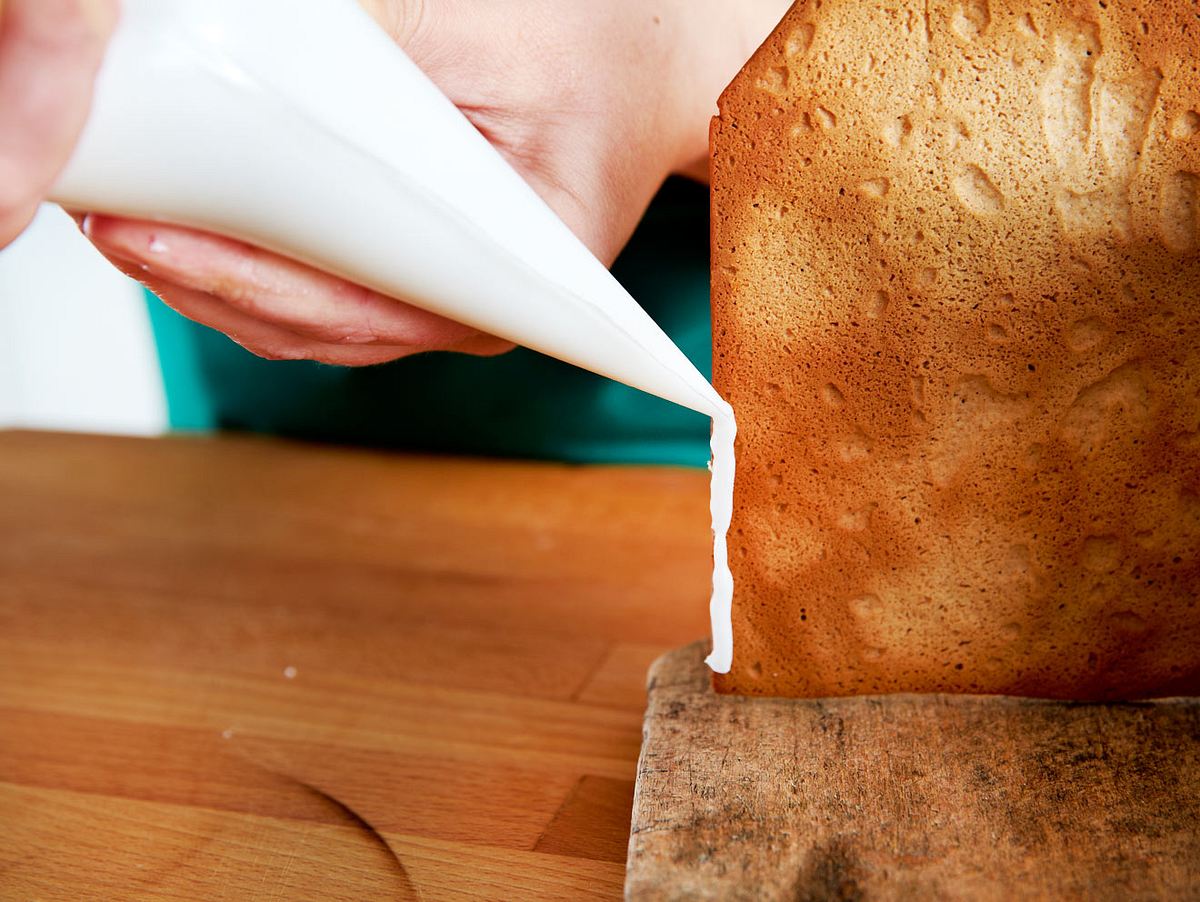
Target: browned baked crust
{"points": [[956, 300]]}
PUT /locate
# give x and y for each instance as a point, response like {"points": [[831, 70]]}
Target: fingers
{"points": [[274, 289], [259, 338], [50, 51], [275, 307]]}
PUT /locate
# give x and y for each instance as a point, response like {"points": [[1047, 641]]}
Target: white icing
{"points": [[720, 608]]}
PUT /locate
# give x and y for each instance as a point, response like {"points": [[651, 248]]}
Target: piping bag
{"points": [[301, 127]]}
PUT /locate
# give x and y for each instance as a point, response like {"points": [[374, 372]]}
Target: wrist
{"points": [[719, 36]]}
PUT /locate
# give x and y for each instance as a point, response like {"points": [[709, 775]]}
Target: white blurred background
{"points": [[76, 350]]}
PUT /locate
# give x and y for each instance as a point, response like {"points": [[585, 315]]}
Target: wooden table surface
{"points": [[244, 669]]}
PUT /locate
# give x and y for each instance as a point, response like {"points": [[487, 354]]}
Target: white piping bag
{"points": [[300, 126]]}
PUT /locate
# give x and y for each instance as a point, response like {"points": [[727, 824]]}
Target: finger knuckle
{"points": [[280, 353], [404, 21], [342, 333], [351, 320], [239, 293]]}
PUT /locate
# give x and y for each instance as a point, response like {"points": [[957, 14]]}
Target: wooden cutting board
{"points": [[244, 669], [911, 797]]}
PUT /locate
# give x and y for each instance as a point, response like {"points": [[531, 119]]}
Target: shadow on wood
{"points": [[910, 797]]}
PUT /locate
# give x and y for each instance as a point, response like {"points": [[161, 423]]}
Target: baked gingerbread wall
{"points": [[956, 300]]}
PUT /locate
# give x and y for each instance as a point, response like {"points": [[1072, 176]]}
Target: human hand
{"points": [[50, 51], [594, 104]]}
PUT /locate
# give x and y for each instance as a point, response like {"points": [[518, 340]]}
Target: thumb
{"points": [[50, 51]]}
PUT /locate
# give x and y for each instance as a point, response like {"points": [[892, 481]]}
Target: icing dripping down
{"points": [[720, 607]]}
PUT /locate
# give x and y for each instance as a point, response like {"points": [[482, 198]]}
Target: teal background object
{"points": [[520, 404]]}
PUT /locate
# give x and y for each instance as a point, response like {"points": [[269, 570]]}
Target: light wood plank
{"points": [[121, 848], [247, 669], [65, 845]]}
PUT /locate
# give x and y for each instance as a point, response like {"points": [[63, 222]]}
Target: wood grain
{"points": [[911, 797], [241, 669]]}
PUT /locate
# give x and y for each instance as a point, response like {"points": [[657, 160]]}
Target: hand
{"points": [[50, 51], [593, 103]]}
